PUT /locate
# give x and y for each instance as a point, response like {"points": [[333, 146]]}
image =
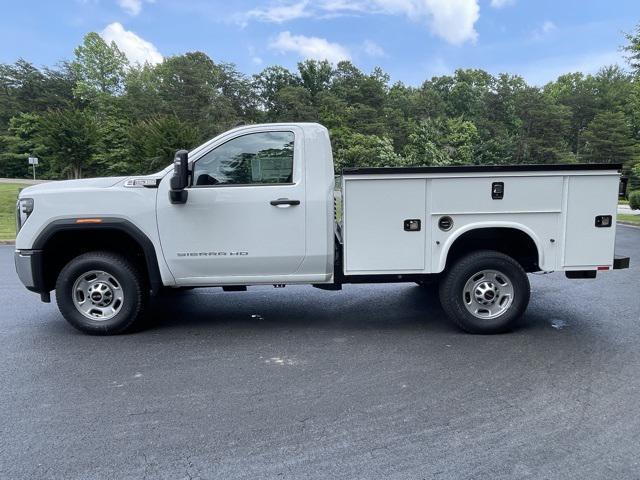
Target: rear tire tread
{"points": [[454, 279]]}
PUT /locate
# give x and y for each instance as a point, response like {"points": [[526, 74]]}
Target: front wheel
{"points": [[101, 293], [485, 292]]}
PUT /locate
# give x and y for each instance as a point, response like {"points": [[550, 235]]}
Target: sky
{"points": [[412, 40]]}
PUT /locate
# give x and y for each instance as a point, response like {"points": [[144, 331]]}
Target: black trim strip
{"points": [[580, 274], [483, 168], [620, 262], [111, 223]]}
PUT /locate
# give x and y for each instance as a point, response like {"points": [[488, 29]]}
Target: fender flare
{"points": [[481, 225], [107, 223]]}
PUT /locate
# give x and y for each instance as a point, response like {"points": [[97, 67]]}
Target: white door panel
{"points": [[223, 231], [588, 197], [375, 238], [233, 230]]}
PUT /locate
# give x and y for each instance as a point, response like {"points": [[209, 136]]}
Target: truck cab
{"points": [[259, 209], [257, 205]]}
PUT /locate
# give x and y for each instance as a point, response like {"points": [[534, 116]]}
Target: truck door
{"points": [[245, 213]]}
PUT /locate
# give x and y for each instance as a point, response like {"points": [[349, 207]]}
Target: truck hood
{"points": [[67, 185]]}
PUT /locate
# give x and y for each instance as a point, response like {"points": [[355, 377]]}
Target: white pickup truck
{"points": [[256, 205]]}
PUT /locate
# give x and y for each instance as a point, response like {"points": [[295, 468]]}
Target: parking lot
{"points": [[370, 382]]}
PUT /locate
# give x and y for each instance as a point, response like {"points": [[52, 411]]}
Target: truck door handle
{"points": [[283, 202]]}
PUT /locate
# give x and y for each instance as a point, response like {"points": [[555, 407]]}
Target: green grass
{"points": [[8, 196], [629, 218], [623, 202]]}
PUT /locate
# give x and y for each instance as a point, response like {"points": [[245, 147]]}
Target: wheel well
{"points": [[510, 241], [64, 245]]}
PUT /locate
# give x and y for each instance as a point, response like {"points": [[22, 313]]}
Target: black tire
{"points": [[125, 277], [454, 299]]}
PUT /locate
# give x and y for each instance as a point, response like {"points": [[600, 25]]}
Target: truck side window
{"points": [[256, 158]]}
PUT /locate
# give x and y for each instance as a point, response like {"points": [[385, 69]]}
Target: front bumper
{"points": [[29, 267]]}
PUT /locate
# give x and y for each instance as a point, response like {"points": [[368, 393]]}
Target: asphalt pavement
{"points": [[370, 382]]}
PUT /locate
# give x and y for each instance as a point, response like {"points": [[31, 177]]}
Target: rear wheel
{"points": [[101, 293], [485, 292]]}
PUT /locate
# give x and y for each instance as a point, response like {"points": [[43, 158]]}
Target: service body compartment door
{"points": [[377, 237], [587, 245]]}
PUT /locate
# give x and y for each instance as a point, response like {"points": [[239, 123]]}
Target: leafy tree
{"points": [[267, 85], [141, 98], [25, 88], [400, 113], [18, 145], [608, 139], [68, 141], [98, 114], [155, 141], [99, 68], [542, 136], [295, 105], [614, 87], [579, 94], [357, 150], [442, 142], [632, 48], [113, 146], [315, 75], [197, 91]]}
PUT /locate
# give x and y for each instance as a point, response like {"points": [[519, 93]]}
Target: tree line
{"points": [[98, 114]]}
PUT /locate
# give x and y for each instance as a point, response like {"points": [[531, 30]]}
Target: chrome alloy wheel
{"points": [[98, 295], [488, 294]]}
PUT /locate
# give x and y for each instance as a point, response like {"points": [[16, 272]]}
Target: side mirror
{"points": [[180, 179]]}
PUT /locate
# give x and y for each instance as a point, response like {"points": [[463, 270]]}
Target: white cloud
{"points": [[543, 30], [372, 49], [502, 3], [548, 26], [310, 47], [133, 7], [280, 12], [452, 20], [135, 48]]}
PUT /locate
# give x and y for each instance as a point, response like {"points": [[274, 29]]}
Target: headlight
{"points": [[24, 207]]}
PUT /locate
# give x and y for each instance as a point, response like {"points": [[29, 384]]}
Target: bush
{"points": [[634, 200]]}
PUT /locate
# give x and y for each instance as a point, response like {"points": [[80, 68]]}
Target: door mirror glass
{"points": [[180, 179]]}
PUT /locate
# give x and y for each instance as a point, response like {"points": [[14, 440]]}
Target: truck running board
{"points": [[235, 288], [328, 286]]}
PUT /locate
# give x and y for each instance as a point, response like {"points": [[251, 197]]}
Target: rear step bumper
{"points": [[620, 262]]}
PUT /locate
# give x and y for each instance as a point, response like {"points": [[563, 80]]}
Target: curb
{"points": [[629, 224], [7, 242]]}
